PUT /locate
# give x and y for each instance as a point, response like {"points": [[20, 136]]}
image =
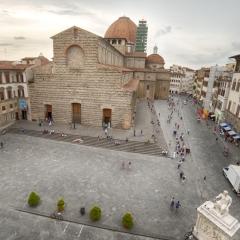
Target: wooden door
{"points": [[107, 115], [76, 112]]}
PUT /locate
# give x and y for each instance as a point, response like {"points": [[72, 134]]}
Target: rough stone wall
{"points": [[93, 87], [135, 62]]}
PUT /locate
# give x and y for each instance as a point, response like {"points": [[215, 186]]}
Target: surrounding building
{"points": [[14, 97], [232, 113], [202, 76], [182, 79], [95, 81], [141, 38], [210, 88], [14, 101], [223, 83]]}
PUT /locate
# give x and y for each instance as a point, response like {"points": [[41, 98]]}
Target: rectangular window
{"points": [[229, 105], [233, 85], [9, 93], [7, 77], [3, 108], [238, 86], [2, 95], [11, 106], [238, 111]]}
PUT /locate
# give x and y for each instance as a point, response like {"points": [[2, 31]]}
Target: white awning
{"points": [[227, 128], [223, 124], [236, 137], [232, 133]]}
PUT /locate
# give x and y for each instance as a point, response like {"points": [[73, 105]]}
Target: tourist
{"points": [[178, 205], [141, 132], [172, 203], [134, 133], [205, 178], [129, 165], [188, 131], [1, 144]]}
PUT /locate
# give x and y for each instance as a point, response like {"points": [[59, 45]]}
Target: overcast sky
{"points": [[191, 33]]}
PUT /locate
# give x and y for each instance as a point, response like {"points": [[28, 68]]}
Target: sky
{"points": [[191, 33]]}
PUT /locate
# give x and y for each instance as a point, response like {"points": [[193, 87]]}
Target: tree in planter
{"points": [[95, 213], [33, 199], [127, 220], [61, 205]]}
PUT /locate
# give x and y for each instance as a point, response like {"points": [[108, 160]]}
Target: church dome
{"points": [[155, 58], [124, 27]]}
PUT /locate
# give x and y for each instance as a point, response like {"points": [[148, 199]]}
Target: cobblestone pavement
{"points": [[206, 158], [85, 176]]}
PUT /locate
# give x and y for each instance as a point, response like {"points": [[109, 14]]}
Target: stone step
{"points": [[130, 146]]}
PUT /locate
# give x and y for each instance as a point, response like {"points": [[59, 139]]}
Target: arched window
{"points": [[75, 57]]}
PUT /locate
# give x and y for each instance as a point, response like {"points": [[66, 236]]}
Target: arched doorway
{"points": [[76, 112], [48, 112], [107, 117]]}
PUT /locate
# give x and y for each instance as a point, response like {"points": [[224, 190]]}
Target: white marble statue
{"points": [[222, 203]]}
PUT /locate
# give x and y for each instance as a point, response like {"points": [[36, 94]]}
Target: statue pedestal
{"points": [[211, 225]]}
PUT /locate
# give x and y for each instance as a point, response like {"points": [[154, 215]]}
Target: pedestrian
{"points": [[129, 165], [188, 131], [141, 132], [134, 133], [205, 178], [183, 178], [123, 164], [216, 139], [178, 205], [174, 155], [126, 140], [1, 144], [181, 175], [179, 165], [172, 203]]}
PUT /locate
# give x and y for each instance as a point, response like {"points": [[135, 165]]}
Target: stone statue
{"points": [[222, 203]]}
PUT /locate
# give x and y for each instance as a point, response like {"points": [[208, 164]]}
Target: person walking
{"points": [[205, 178], [188, 131], [172, 203], [1, 144], [134, 133], [178, 205]]}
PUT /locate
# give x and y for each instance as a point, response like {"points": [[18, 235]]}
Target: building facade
{"points": [[182, 79], [14, 99], [232, 113], [95, 81]]}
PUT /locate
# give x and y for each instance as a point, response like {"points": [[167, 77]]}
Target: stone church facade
{"points": [[92, 82]]}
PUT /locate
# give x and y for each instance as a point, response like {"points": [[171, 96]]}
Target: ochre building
{"points": [[96, 81]]}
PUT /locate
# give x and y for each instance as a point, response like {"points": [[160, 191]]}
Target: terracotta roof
{"points": [[155, 58], [124, 27], [131, 85], [236, 56], [9, 65]]}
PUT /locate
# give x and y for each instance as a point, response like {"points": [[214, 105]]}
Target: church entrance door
{"points": [[107, 117], [76, 112], [48, 112]]}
